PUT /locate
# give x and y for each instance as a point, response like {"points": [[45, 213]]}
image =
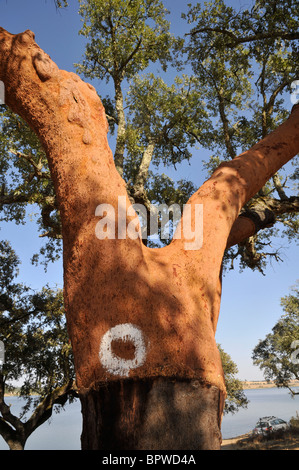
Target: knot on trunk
{"points": [[44, 66], [262, 218]]}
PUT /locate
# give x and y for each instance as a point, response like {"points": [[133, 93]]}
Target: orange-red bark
{"points": [[171, 294]]}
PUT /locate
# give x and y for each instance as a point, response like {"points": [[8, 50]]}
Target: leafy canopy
{"points": [[246, 62], [33, 330], [275, 354], [236, 397], [38, 355], [124, 36]]}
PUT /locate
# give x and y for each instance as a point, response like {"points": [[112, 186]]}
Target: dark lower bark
{"points": [[152, 414], [15, 445]]}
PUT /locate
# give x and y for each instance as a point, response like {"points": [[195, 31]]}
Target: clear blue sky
{"points": [[251, 302]]}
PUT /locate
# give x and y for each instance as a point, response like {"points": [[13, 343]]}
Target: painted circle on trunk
{"points": [[125, 333]]}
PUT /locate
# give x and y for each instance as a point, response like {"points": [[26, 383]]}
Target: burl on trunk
{"points": [[141, 321]]}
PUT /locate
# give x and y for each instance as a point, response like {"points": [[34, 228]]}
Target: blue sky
{"points": [[251, 302]]}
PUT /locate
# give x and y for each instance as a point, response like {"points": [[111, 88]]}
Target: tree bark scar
{"points": [[26, 37], [44, 66], [152, 414]]}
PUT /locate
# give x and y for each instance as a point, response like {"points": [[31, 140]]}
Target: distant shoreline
{"points": [[247, 385], [256, 384]]}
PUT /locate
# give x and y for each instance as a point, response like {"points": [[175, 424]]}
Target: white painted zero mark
{"points": [[115, 364]]}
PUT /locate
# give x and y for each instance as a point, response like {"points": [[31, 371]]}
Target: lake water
{"points": [[262, 402], [63, 430]]}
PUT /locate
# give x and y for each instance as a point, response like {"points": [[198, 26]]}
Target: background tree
{"points": [[26, 182], [276, 354], [124, 37], [236, 397], [38, 354], [245, 60]]}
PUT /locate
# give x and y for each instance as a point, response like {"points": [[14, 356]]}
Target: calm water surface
{"points": [[262, 402], [63, 430]]}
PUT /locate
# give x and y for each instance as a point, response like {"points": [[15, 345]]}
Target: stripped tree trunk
{"points": [[141, 321]]}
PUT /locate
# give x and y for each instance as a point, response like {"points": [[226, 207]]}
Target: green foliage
{"points": [[123, 37], [241, 77], [173, 117], [235, 395], [274, 354], [246, 61], [38, 355], [33, 330], [26, 181]]}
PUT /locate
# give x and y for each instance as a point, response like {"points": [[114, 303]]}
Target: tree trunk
{"points": [[152, 414], [16, 445], [141, 321], [121, 127]]}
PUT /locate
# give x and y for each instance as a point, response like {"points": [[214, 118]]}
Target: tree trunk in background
{"points": [[16, 445], [141, 321]]}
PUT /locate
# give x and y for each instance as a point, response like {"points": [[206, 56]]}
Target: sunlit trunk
{"points": [[142, 321]]}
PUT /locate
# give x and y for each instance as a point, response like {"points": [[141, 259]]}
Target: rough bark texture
{"points": [[146, 414], [163, 302]]}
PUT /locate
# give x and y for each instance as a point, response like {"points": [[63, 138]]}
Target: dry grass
{"points": [[280, 440]]}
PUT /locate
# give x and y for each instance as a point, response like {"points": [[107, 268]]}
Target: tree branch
{"points": [[36, 166], [262, 214], [130, 57], [48, 221], [7, 415], [225, 124], [144, 167], [279, 187], [44, 410], [235, 41]]}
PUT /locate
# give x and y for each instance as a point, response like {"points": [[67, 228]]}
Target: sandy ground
{"points": [[244, 443], [230, 444]]}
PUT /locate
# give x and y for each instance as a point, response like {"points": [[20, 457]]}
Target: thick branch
{"points": [[69, 118], [234, 183], [235, 41], [262, 214], [6, 431], [44, 410], [7, 415], [12, 198], [281, 206]]}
